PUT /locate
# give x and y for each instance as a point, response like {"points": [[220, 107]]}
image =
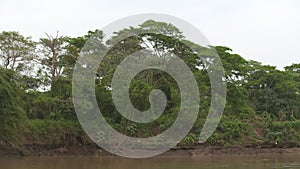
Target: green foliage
{"points": [[12, 115], [16, 51], [232, 131], [287, 132], [54, 132], [190, 139], [262, 102], [38, 105]]}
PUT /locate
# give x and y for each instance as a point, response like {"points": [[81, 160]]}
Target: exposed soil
{"points": [[93, 150]]}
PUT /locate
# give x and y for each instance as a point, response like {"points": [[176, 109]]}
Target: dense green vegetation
{"points": [[262, 105]]}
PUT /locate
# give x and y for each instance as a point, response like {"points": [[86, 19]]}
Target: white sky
{"points": [[263, 30]]}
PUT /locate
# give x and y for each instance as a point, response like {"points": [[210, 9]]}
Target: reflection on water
{"points": [[229, 162]]}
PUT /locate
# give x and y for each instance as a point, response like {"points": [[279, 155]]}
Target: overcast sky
{"points": [[263, 30]]}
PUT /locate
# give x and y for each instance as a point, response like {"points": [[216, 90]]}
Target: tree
{"points": [[295, 68], [236, 69], [73, 49], [58, 57], [163, 44], [16, 51], [53, 50], [273, 91]]}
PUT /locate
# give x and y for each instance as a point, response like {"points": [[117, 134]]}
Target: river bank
{"points": [[36, 150]]}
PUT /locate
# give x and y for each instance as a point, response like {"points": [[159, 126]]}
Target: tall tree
{"points": [[53, 50], [16, 51]]}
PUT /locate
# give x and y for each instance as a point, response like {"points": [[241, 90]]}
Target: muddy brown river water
{"points": [[214, 162]]}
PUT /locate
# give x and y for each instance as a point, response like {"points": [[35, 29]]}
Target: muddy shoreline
{"points": [[93, 150]]}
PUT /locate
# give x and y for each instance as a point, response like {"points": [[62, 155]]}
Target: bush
{"points": [[283, 132], [53, 132]]}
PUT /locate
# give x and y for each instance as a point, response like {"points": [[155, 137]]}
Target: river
{"points": [[215, 162]]}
